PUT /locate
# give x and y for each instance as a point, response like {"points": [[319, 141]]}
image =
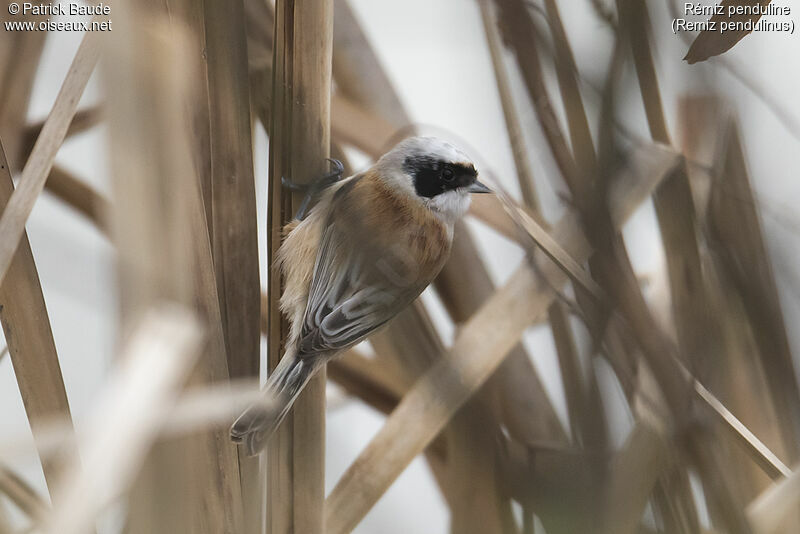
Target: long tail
{"points": [[255, 426]]}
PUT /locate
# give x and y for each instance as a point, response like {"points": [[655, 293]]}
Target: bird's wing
{"points": [[363, 276]]}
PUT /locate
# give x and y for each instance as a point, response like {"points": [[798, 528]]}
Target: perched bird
{"points": [[368, 248]]}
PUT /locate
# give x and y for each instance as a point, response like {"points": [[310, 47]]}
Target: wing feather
{"points": [[363, 275]]}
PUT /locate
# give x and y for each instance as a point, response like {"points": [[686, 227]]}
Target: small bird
{"points": [[367, 249]]}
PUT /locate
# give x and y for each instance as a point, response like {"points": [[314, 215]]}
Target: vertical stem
{"points": [[231, 208], [233, 201], [299, 144]]}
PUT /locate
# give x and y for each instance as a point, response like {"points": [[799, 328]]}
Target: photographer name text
{"points": [[25, 10]]}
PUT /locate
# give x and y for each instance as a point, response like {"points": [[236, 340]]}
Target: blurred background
{"points": [[435, 55]]}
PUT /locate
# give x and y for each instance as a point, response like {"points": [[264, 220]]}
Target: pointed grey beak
{"points": [[477, 187]]}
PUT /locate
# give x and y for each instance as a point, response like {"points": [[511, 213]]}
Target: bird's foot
{"points": [[313, 189]]}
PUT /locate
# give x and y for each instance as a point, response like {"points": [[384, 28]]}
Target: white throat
{"points": [[449, 206]]}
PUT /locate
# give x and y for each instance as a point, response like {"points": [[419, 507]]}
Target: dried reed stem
{"points": [[232, 221], [299, 144]]}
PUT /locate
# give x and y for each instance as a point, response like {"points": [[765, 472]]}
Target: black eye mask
{"points": [[433, 177]]}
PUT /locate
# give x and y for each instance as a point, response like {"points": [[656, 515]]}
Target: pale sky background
{"points": [[435, 54]]}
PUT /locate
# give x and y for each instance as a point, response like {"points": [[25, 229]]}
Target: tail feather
{"points": [[255, 426]]}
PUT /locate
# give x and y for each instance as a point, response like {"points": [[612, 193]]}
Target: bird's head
{"points": [[435, 172]]}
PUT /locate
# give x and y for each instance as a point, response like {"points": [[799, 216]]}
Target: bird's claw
{"points": [[312, 189], [337, 171]]}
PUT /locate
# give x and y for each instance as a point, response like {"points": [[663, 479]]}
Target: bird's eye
{"points": [[447, 174]]}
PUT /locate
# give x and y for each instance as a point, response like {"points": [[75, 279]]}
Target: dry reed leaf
{"points": [[260, 29], [520, 401], [551, 248], [37, 168], [126, 420], [54, 437], [582, 416], [712, 43], [760, 453], [24, 318], [634, 14]]}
